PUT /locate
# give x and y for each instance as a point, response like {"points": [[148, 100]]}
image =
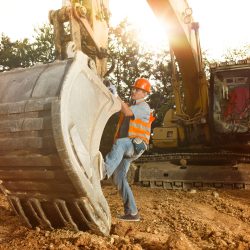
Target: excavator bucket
{"points": [[52, 120]]}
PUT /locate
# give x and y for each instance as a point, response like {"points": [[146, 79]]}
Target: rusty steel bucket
{"points": [[52, 120]]}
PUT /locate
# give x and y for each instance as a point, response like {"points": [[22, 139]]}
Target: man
{"points": [[131, 140]]}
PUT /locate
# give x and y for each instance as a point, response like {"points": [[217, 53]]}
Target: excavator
{"points": [[205, 140], [53, 117]]}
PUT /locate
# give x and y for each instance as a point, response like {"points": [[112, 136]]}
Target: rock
{"points": [[126, 239], [112, 240], [51, 246], [217, 234], [179, 241], [223, 243], [61, 246], [193, 191], [215, 194], [47, 233], [246, 238], [115, 236]]}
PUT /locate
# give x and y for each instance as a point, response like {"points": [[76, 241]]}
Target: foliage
{"points": [[124, 52], [129, 58], [43, 46], [14, 54], [24, 53], [133, 61], [237, 54]]}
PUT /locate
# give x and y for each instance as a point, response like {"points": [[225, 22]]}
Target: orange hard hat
{"points": [[143, 84]]}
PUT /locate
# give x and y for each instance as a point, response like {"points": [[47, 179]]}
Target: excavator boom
{"points": [[183, 35]]}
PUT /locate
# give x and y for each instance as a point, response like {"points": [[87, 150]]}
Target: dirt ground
{"points": [[195, 219]]}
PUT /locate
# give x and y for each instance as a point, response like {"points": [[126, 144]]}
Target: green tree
{"points": [[24, 53], [14, 54], [43, 46], [124, 53], [133, 61]]}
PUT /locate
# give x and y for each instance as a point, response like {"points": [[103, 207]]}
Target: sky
{"points": [[223, 23]]}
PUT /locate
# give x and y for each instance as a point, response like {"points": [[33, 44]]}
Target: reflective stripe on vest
{"points": [[137, 128]]}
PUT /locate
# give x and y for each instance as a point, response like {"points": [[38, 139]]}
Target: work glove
{"points": [[139, 145], [113, 90]]}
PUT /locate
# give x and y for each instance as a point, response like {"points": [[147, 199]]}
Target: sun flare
{"points": [[152, 34]]}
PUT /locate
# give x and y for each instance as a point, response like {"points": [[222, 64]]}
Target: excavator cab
{"points": [[230, 109]]}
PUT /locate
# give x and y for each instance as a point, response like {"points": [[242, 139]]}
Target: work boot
{"points": [[129, 217]]}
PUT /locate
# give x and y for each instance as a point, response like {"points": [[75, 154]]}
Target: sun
{"points": [[152, 34]]}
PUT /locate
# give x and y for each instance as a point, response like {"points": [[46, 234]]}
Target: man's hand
{"points": [[125, 108], [113, 90]]}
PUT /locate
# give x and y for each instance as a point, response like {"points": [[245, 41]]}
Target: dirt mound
{"points": [[210, 219]]}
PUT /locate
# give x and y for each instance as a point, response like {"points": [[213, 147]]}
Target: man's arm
{"points": [[125, 108]]}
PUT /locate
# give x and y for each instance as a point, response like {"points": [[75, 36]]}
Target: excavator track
{"points": [[52, 119], [223, 157], [195, 170]]}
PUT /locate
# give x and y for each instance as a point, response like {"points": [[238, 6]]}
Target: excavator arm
{"points": [[189, 121], [184, 41], [82, 27]]}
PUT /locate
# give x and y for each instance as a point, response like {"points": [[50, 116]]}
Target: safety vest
{"points": [[137, 128]]}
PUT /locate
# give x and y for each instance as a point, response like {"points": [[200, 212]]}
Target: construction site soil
{"points": [[170, 219]]}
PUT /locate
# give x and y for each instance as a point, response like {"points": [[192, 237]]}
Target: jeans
{"points": [[117, 164]]}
